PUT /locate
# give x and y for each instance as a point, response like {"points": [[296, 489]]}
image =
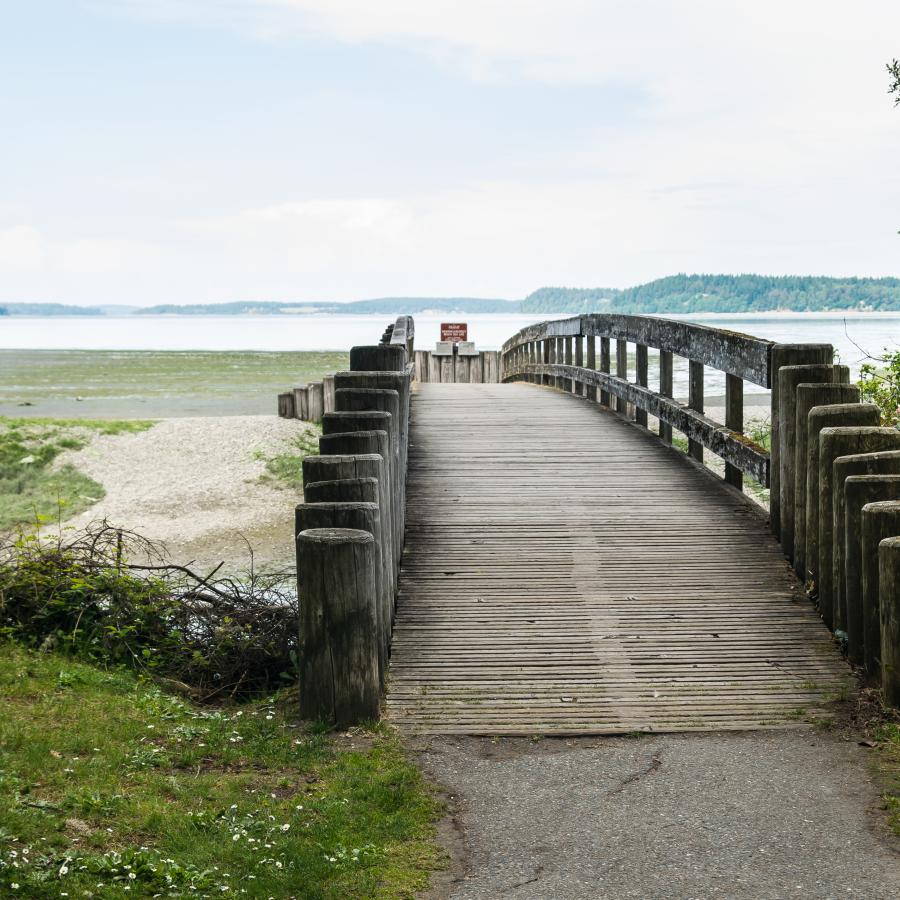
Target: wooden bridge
{"points": [[567, 570]]}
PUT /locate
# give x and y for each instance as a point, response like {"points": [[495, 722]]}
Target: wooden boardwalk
{"points": [[564, 572]]}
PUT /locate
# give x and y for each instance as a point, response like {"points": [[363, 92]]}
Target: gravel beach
{"points": [[195, 484]]}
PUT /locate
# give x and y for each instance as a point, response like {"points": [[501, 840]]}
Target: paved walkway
{"points": [[754, 816]]}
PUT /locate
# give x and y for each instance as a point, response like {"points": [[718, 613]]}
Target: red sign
{"points": [[454, 331]]}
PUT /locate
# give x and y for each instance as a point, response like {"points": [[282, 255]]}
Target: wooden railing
{"points": [[833, 470], [563, 354], [350, 531]]}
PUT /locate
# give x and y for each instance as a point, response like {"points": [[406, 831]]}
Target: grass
{"points": [[111, 788], [285, 470], [887, 737], [30, 488]]}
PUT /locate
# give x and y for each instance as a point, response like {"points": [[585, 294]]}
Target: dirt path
{"points": [[194, 483]]}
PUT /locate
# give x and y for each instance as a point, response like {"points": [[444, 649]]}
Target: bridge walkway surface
{"points": [[567, 573]]}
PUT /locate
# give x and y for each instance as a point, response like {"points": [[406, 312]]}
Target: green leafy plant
{"points": [[879, 383]]}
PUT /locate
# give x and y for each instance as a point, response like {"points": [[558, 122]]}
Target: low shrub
{"points": [[81, 593]]}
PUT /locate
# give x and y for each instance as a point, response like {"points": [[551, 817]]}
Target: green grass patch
{"points": [[887, 739], [30, 488], [285, 470], [111, 788]]}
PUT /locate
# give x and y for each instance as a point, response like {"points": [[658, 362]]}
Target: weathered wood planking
{"points": [[566, 573]]}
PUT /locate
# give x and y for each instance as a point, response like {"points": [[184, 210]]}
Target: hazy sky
{"points": [[208, 150]]}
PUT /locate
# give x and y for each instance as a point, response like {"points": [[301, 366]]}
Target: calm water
{"points": [[872, 332]]}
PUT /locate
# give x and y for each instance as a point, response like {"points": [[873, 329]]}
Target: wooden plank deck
{"points": [[566, 573]]}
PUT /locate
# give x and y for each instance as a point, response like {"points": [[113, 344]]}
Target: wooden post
{"points": [[448, 371], [476, 373], [734, 419], [879, 521], [622, 372], [378, 358], [665, 388], [361, 465], [889, 603], [568, 383], [789, 379], [421, 365], [362, 517], [547, 352], [361, 442], [857, 416], [859, 490], [316, 399], [604, 367], [328, 393], [809, 396], [884, 463], [579, 362], [369, 399], [786, 355], [695, 402], [553, 342], [394, 381], [591, 364], [301, 403], [339, 678], [641, 376], [286, 405]]}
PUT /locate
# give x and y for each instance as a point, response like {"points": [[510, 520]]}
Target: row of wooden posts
{"points": [[309, 401], [453, 368], [350, 536], [838, 509]]}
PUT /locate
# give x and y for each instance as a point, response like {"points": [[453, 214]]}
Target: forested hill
{"points": [[675, 294], [724, 293]]}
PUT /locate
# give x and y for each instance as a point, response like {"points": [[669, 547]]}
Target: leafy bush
{"points": [[81, 594], [879, 383]]}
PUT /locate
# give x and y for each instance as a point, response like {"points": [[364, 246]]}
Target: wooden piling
{"points": [[786, 355], [301, 402], [286, 405], [859, 490], [809, 396], [879, 521], [605, 363], [666, 371], [886, 462], [339, 669], [316, 401], [789, 377], [328, 393], [362, 516], [889, 603], [591, 364], [378, 358], [847, 428], [622, 372]]}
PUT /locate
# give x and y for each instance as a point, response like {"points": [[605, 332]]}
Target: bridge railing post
{"points": [[695, 402], [579, 363], [641, 377], [666, 371], [622, 372], [605, 367], [734, 419], [591, 364]]}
